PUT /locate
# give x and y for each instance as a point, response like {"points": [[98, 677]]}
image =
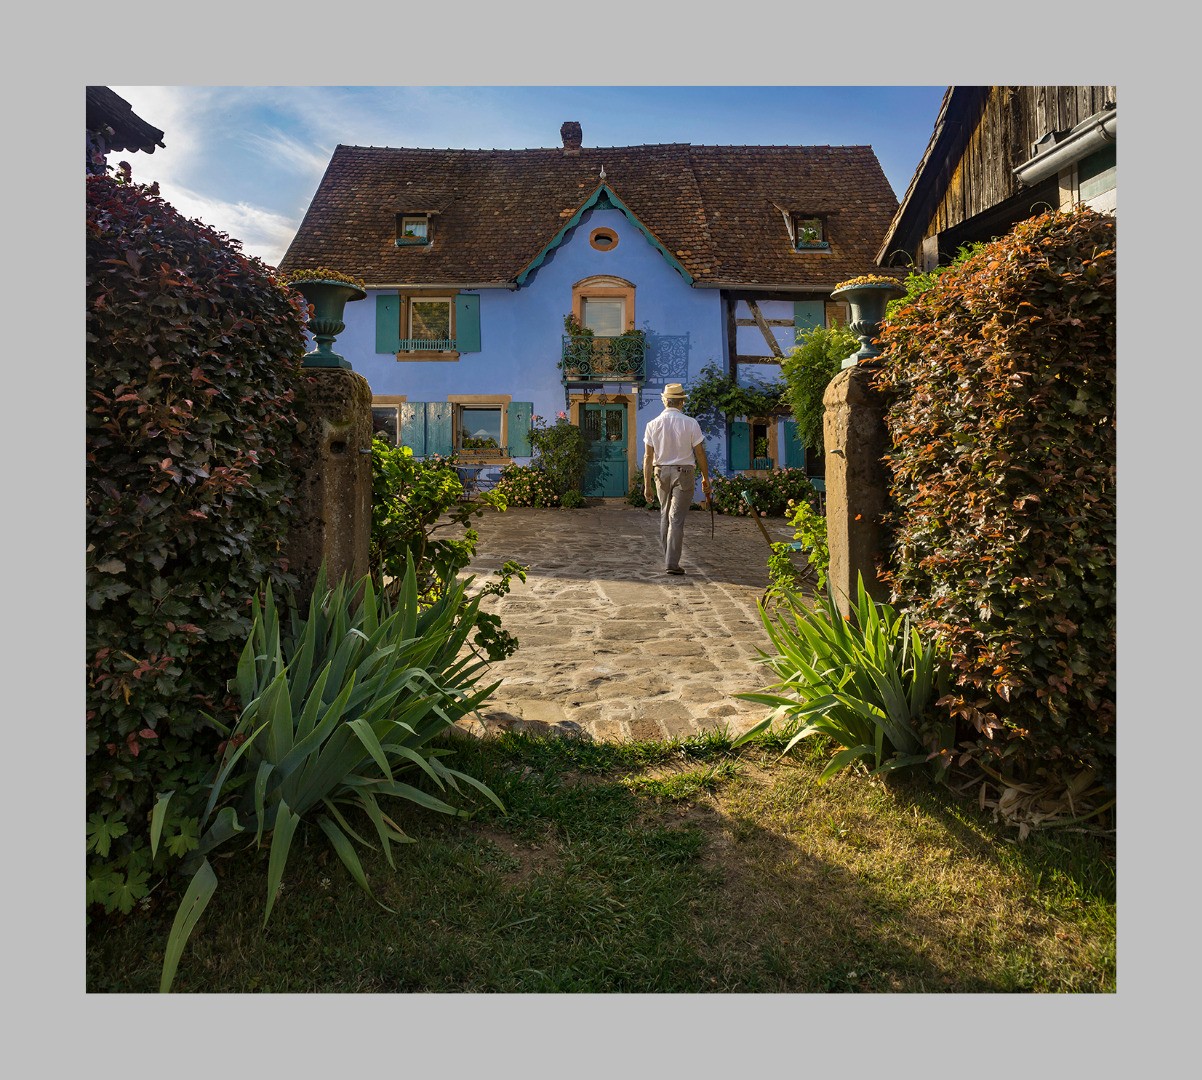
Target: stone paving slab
{"points": [[610, 647]]}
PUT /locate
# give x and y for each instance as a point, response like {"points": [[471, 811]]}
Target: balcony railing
{"points": [[604, 359], [427, 345]]}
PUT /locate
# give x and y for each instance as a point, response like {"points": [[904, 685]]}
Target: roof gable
{"points": [[601, 199]]}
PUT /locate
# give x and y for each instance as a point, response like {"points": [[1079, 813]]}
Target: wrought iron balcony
{"points": [[586, 358]]}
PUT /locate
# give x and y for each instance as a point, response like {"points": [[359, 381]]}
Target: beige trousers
{"points": [[674, 484]]}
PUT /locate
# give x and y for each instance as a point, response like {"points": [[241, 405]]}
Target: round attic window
{"points": [[603, 239]]}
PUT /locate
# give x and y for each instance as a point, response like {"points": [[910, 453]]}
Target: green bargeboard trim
{"points": [[615, 203]]}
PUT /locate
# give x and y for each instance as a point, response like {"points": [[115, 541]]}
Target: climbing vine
{"points": [[716, 396]]}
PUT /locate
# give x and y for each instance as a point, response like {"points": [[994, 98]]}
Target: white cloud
{"points": [[262, 233], [283, 149]]}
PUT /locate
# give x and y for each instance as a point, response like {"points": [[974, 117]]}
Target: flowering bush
{"points": [[772, 493], [526, 485]]}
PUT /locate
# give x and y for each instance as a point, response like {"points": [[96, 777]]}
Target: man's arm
{"points": [[649, 473], [703, 465]]}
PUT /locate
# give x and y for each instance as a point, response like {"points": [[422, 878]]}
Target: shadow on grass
{"points": [[635, 868]]}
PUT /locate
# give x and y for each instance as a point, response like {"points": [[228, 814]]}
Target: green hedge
{"points": [[1002, 420], [193, 371]]}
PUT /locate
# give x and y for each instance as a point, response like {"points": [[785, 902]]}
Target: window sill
{"points": [[411, 241], [422, 354], [822, 246]]}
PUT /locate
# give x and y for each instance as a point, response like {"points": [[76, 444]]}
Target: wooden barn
{"points": [[997, 155]]}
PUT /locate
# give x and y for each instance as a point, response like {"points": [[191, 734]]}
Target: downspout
{"points": [[1096, 132]]}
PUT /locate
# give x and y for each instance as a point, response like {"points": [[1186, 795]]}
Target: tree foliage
{"points": [[1001, 377], [193, 373], [809, 367]]}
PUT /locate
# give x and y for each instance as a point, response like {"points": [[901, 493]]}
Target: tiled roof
{"points": [[716, 209], [108, 109]]}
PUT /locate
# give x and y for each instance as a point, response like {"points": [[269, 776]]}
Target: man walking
{"points": [[673, 443]]}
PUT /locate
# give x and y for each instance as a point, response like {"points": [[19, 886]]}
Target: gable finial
{"points": [[603, 172]]}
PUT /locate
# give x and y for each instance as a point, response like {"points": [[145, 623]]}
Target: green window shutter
{"points": [[467, 322], [520, 414], [795, 453], [388, 323], [739, 456], [413, 427], [440, 428], [808, 314]]}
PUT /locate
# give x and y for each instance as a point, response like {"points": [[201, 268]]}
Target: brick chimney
{"points": [[571, 135]]}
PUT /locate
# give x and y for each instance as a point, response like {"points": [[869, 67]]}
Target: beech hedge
{"points": [[193, 375], [1001, 388]]}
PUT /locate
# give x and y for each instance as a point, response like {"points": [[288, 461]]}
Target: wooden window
{"points": [[412, 229], [478, 427], [430, 321], [604, 302], [809, 233], [1096, 173], [490, 427], [386, 417], [604, 317], [418, 327]]}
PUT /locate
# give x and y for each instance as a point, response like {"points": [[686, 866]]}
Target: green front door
{"points": [[607, 475]]}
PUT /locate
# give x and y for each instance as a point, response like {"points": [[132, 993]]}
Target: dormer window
{"points": [[809, 234], [413, 229]]}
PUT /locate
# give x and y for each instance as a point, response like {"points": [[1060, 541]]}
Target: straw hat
{"points": [[673, 392]]}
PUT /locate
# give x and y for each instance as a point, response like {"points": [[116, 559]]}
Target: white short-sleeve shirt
{"points": [[671, 437]]}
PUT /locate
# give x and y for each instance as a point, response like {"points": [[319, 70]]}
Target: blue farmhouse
{"points": [[508, 284]]}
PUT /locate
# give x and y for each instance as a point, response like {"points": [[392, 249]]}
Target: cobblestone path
{"points": [[610, 646]]}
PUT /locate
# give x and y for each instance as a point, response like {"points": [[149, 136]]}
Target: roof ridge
{"points": [[602, 149]]}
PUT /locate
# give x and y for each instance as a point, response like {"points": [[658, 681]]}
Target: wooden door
{"points": [[607, 475]]}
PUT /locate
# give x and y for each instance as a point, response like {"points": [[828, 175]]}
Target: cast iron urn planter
{"points": [[329, 298], [867, 300]]}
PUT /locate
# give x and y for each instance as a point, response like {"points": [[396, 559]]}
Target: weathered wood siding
{"points": [[1012, 119]]}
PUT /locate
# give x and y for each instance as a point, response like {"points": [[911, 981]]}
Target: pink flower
{"points": [[561, 415]]}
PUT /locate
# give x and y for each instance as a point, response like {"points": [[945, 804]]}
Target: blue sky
{"points": [[247, 159]]}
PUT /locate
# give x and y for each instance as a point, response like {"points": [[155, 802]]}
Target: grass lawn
{"points": [[678, 867]]}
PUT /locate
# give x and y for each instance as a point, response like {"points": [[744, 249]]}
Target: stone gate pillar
{"points": [[853, 431], [334, 489]]}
